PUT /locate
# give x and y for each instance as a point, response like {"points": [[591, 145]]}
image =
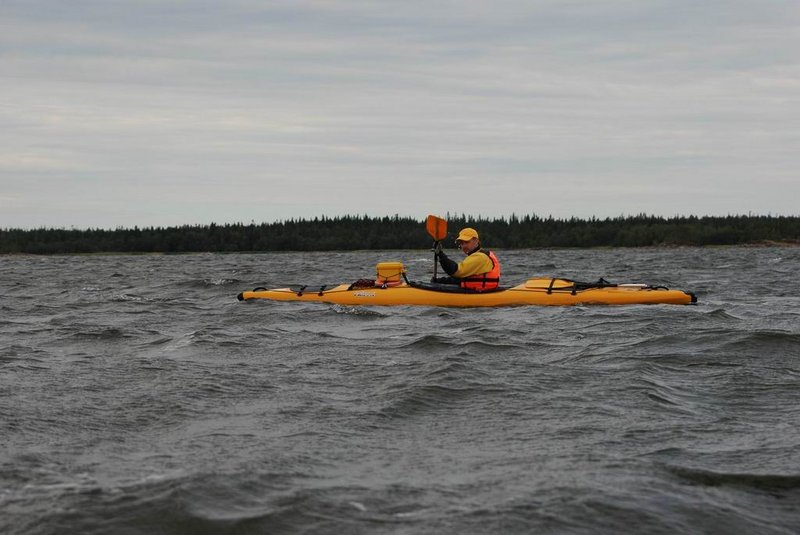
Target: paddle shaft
{"points": [[437, 228], [435, 259]]}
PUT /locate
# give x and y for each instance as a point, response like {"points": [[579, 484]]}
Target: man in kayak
{"points": [[479, 271]]}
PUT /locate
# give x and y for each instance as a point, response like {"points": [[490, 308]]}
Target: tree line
{"points": [[364, 232]]}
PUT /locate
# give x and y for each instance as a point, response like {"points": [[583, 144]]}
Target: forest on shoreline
{"points": [[385, 233]]}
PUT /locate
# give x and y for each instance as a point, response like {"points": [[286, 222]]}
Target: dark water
{"points": [[138, 396]]}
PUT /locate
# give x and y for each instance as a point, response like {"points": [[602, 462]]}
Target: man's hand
{"points": [[437, 248]]}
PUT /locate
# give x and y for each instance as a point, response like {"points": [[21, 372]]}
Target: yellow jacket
{"points": [[477, 263]]}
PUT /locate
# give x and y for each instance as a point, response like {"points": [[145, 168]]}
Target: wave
{"points": [[437, 341], [763, 482], [671, 397], [241, 503], [22, 358], [102, 333], [721, 313], [427, 341], [158, 340], [125, 297], [362, 312], [764, 340], [208, 337], [209, 282], [412, 400]]}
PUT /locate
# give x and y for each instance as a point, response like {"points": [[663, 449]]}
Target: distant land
{"points": [[395, 232]]}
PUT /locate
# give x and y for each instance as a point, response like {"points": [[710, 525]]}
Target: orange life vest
{"points": [[485, 281]]}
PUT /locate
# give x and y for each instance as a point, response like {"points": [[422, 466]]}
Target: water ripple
{"points": [[138, 396]]}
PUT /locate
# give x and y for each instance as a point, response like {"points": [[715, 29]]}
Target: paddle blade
{"points": [[437, 227]]}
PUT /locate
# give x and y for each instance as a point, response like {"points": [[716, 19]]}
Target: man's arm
{"points": [[474, 264]]}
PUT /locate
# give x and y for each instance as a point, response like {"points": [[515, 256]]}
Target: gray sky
{"points": [[167, 112]]}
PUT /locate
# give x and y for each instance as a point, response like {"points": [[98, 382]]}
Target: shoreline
{"points": [[760, 244]]}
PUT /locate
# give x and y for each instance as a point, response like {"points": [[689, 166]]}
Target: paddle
{"points": [[437, 228]]}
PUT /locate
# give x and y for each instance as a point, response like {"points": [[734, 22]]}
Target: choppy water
{"points": [[138, 396]]}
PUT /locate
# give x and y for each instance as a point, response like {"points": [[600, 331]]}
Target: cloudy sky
{"points": [[169, 112]]}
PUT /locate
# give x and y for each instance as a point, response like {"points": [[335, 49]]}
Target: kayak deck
{"points": [[542, 291]]}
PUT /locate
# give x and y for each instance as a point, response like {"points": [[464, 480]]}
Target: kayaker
{"points": [[479, 271]]}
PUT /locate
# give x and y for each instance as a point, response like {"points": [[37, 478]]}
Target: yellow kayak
{"points": [[537, 291]]}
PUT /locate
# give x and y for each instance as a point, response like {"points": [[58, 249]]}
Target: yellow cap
{"points": [[467, 234]]}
